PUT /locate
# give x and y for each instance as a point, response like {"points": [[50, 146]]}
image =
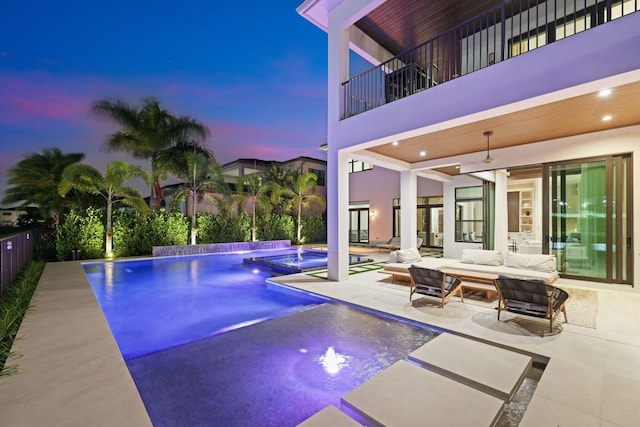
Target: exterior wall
{"points": [[379, 186], [576, 60]]}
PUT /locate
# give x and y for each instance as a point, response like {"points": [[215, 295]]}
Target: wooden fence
{"points": [[15, 252]]}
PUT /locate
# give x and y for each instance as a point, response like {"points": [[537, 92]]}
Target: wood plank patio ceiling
{"points": [[569, 117]]}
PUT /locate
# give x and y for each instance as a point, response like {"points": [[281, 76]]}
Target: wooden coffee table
{"points": [[476, 281]]}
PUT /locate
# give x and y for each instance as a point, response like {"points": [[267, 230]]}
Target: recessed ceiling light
{"points": [[606, 118], [423, 153], [395, 143], [457, 166], [604, 92]]}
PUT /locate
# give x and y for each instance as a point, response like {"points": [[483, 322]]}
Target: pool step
{"points": [[330, 416], [485, 367], [450, 380], [407, 395]]}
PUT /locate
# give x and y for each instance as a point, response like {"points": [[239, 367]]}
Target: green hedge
{"points": [[14, 304], [135, 234], [276, 227], [81, 230], [216, 229], [314, 229]]}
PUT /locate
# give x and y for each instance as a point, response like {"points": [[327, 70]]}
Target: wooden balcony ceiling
{"points": [[568, 117], [400, 25]]}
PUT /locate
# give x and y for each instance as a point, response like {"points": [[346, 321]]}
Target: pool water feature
{"points": [[275, 373], [303, 260]]}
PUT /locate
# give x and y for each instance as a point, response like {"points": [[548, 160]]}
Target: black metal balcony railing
{"points": [[511, 29]]}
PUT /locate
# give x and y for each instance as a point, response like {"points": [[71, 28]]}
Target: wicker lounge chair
{"points": [[434, 283], [532, 298]]}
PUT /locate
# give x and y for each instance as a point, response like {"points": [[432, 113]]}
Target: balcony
{"points": [[513, 28]]}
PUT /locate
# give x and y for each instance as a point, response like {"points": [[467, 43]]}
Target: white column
{"points": [[338, 216], [501, 222], [337, 161], [408, 213]]}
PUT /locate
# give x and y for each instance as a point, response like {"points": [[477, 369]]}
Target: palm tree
{"points": [[111, 187], [304, 195], [200, 171], [147, 130], [279, 184], [35, 179], [255, 187]]}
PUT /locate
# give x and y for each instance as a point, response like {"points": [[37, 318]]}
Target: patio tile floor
{"points": [[72, 372]]}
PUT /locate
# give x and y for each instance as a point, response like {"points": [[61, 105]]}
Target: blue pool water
{"points": [[154, 304], [297, 262], [178, 324]]}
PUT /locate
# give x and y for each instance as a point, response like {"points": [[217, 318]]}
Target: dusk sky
{"points": [[254, 72]]}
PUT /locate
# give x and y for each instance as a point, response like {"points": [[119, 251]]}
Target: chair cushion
{"points": [[536, 262], [408, 255], [481, 256]]}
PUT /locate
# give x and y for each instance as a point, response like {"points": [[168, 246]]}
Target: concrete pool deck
{"points": [[73, 374]]}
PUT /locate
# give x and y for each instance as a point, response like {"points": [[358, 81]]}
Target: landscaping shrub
{"points": [[136, 234], [173, 231], [276, 227], [217, 229], [314, 229], [81, 230], [14, 304]]}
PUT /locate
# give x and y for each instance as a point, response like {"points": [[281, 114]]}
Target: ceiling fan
{"points": [[488, 159]]}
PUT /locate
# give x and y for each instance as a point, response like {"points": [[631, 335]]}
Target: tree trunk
{"points": [[194, 224], [109, 236], [156, 195], [299, 222], [253, 225]]}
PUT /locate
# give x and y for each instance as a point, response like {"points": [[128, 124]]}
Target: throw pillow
{"points": [[537, 262], [393, 257], [407, 256], [481, 256]]}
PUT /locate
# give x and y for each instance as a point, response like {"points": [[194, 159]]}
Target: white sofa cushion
{"points": [[481, 256], [537, 262], [410, 255], [426, 262], [547, 276]]}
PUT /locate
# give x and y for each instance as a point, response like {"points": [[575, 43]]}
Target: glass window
{"points": [[572, 26], [358, 166], [589, 217], [469, 214], [526, 43], [320, 174], [622, 8]]}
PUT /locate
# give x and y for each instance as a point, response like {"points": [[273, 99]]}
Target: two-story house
{"points": [[526, 113]]}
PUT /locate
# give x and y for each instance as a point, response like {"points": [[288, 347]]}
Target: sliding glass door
{"points": [[359, 225], [589, 218]]}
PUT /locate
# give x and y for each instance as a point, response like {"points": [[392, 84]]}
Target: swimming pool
{"points": [[154, 304], [178, 326], [302, 260], [201, 354]]}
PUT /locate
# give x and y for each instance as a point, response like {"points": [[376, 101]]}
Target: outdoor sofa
{"points": [[477, 268]]}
